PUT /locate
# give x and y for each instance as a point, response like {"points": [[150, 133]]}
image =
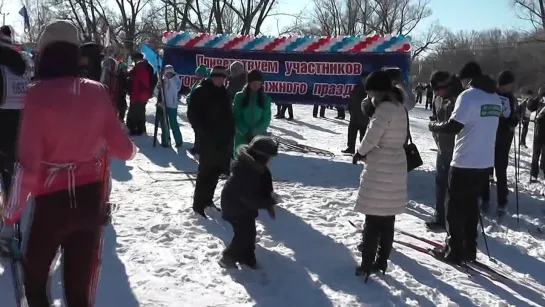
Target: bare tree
{"points": [[351, 17], [532, 11], [495, 50], [40, 14]]}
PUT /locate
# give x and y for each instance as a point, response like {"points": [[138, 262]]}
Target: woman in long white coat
{"points": [[383, 184]]}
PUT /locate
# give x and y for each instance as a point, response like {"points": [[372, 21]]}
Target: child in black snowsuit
{"points": [[248, 189]]}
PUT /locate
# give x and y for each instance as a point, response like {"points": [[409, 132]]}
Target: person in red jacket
{"points": [[68, 127], [140, 92]]}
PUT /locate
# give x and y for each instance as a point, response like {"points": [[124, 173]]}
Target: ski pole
{"points": [[484, 237], [517, 172]]}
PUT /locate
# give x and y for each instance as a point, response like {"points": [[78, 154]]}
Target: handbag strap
{"points": [[409, 139]]}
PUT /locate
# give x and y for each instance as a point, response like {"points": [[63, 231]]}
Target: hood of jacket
{"points": [[246, 162], [484, 83], [13, 60]]}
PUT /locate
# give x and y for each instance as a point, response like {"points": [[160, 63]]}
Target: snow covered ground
{"points": [[158, 253]]}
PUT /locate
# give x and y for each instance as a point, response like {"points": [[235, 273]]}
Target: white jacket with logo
{"points": [[171, 87]]}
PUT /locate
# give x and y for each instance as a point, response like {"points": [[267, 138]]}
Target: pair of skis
{"points": [[469, 267]]}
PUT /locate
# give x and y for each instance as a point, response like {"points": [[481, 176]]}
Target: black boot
{"points": [[385, 244], [349, 151], [200, 211], [369, 247], [436, 225]]}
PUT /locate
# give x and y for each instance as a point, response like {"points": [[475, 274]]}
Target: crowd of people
{"points": [[61, 127]]}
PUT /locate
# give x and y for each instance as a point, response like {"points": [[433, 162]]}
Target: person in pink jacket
{"points": [[68, 127]]}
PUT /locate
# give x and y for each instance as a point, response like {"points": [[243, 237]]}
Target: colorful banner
{"points": [[303, 78]]}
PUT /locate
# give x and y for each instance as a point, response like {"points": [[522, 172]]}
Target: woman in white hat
{"points": [[172, 83]]}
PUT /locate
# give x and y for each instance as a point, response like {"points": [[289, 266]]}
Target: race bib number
{"points": [[19, 88]]}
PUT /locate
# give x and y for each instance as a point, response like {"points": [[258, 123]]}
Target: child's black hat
{"points": [[264, 146]]}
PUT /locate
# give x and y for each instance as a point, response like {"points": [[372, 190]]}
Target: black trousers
{"points": [[377, 239], [205, 184], [419, 98], [9, 127], [121, 105], [289, 108], [538, 157], [465, 185], [242, 246], [78, 232], [353, 129], [501, 161], [315, 110], [524, 132], [341, 112], [136, 118], [429, 101]]}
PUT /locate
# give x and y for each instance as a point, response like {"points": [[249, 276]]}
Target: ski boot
{"points": [[501, 211], [485, 205], [349, 151], [435, 225], [227, 262]]}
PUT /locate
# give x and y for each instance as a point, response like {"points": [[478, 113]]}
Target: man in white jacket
{"points": [[171, 86]]}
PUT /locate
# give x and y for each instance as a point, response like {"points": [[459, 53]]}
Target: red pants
{"points": [[78, 232]]}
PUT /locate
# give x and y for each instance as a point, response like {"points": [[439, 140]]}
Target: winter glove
{"points": [[271, 212], [432, 126], [357, 157], [433, 118]]}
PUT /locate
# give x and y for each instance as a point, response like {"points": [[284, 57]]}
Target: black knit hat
{"points": [[254, 75], [470, 71], [218, 71], [378, 81], [440, 79], [6, 36], [393, 72], [264, 146], [506, 77]]}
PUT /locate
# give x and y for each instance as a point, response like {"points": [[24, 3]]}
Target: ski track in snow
{"points": [[158, 253]]}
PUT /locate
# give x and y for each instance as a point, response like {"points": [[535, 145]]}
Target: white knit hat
{"points": [[169, 69], [58, 31]]}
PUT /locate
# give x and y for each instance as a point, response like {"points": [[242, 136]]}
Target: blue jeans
{"points": [[442, 167]]}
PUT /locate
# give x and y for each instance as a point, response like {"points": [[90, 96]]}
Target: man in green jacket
{"points": [[201, 72], [251, 110]]}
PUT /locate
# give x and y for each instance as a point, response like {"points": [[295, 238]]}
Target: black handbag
{"points": [[411, 151]]}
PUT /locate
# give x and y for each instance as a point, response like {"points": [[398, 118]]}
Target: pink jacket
{"points": [[66, 124]]}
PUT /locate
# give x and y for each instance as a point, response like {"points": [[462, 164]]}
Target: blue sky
{"points": [[453, 14]]}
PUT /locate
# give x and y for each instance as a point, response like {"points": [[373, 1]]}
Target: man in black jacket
{"points": [[90, 61], [538, 148], [14, 80], [474, 121], [210, 114], [358, 120], [504, 139]]}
